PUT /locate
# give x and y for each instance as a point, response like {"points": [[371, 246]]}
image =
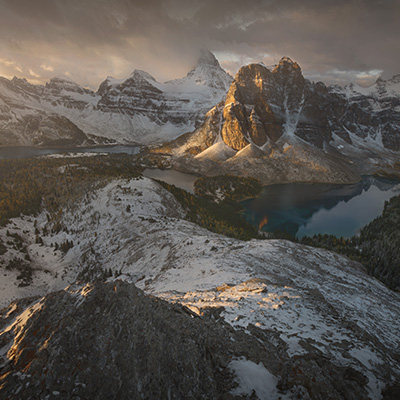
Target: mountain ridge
{"points": [[279, 305], [137, 109], [311, 132]]}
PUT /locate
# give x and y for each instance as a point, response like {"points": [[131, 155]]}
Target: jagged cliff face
{"points": [[266, 106], [135, 110], [262, 105], [276, 125]]}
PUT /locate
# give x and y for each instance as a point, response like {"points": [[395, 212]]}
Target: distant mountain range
{"points": [[268, 122], [134, 110]]}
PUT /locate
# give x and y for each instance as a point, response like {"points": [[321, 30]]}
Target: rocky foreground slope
{"points": [[217, 318], [277, 126], [134, 110]]}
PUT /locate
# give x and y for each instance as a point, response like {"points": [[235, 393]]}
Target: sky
{"points": [[335, 41]]}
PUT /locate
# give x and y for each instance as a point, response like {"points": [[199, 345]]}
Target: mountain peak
{"points": [[286, 60], [206, 73], [207, 58], [287, 64], [138, 73], [61, 78], [59, 83], [16, 79]]}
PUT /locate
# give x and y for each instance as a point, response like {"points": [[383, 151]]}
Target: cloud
{"points": [[48, 68], [8, 68], [6, 62], [33, 73], [96, 38], [342, 77]]}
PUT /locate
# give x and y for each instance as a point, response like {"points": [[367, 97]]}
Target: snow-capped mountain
{"points": [[135, 110], [381, 102], [306, 322], [290, 128], [381, 89]]}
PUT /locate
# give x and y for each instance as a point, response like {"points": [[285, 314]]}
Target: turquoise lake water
{"points": [[305, 209]]}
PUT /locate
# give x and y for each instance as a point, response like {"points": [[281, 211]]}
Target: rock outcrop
{"points": [[266, 106], [111, 341]]}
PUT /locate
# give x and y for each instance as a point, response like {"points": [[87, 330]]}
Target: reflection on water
{"points": [[262, 223], [304, 209], [12, 152]]}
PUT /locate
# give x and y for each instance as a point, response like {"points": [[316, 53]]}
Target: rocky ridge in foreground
{"points": [[308, 322], [110, 341]]}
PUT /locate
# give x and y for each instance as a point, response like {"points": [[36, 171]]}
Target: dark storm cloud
{"points": [[90, 39]]}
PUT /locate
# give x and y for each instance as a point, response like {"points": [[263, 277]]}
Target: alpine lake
{"points": [[294, 208], [307, 209]]}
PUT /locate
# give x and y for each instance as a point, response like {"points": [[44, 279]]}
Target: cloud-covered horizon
{"points": [[87, 40]]}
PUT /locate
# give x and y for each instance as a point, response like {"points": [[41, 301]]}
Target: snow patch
{"points": [[217, 152], [252, 377]]}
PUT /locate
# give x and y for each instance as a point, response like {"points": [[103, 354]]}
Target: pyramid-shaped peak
{"points": [[207, 58], [138, 73]]}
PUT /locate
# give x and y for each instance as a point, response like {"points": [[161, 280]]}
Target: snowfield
{"points": [[312, 299]]}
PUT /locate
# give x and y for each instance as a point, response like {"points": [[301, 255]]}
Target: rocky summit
{"points": [[277, 125]]}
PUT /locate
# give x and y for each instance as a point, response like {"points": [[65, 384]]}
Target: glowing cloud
{"points": [[33, 73], [48, 68]]}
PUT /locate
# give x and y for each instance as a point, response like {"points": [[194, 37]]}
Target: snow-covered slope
{"points": [[320, 309], [379, 90], [381, 102], [134, 110]]}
